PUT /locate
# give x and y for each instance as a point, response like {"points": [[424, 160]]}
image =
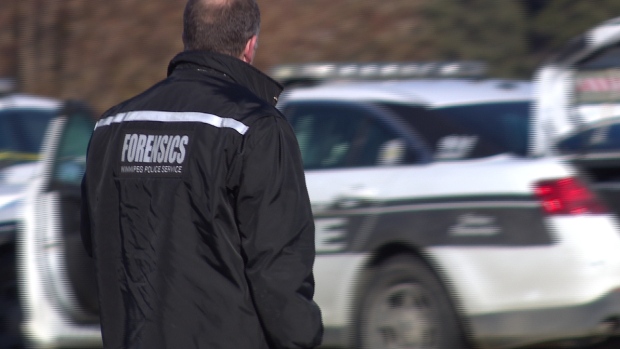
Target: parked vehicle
{"points": [[577, 114], [434, 226], [47, 285]]}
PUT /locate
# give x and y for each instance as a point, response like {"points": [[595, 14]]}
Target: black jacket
{"points": [[196, 212]]}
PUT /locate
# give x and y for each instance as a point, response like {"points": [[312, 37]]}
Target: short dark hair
{"points": [[222, 26]]}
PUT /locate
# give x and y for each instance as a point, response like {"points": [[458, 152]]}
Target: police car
{"points": [[435, 228], [47, 288], [23, 121], [577, 114]]}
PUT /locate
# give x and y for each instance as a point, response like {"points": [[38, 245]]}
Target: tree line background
{"points": [[104, 51]]}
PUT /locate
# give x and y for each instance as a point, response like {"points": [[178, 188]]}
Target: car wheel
{"points": [[404, 306]]}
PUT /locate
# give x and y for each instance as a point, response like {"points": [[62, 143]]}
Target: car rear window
{"points": [[488, 129]]}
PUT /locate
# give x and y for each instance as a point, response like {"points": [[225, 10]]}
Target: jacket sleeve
{"points": [[277, 231], [85, 218]]}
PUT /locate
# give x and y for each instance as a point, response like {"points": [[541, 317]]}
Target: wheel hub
{"points": [[401, 318]]}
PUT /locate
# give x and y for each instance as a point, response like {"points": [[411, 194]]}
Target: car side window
{"points": [[342, 136], [325, 134], [71, 155], [380, 146]]}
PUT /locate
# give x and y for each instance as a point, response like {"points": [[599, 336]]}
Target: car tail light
{"points": [[568, 196]]}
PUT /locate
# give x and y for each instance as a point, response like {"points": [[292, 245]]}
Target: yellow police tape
{"points": [[13, 155]]}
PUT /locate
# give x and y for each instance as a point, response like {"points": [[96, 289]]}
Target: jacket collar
{"points": [[240, 72]]}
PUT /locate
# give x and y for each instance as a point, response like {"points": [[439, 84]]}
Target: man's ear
{"points": [[250, 50]]}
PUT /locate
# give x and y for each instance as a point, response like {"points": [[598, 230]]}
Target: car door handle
{"points": [[356, 197]]}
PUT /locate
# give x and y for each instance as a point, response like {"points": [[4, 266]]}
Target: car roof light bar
{"points": [[336, 71]]}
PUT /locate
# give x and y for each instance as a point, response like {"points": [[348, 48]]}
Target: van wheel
{"points": [[404, 306]]}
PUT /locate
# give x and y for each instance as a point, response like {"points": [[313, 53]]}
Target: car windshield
{"points": [[21, 134], [489, 129]]}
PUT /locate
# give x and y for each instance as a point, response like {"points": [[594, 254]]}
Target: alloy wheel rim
{"points": [[401, 317]]}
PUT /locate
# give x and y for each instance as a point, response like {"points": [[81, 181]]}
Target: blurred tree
{"points": [[103, 52], [40, 45], [343, 30], [561, 20], [8, 41], [486, 30], [532, 7]]}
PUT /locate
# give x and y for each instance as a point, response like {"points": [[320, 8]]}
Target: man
{"points": [[195, 206]]}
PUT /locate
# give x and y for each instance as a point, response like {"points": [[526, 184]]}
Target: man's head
{"points": [[224, 26]]}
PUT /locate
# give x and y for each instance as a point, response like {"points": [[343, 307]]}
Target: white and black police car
{"points": [[435, 227], [47, 287], [577, 114]]}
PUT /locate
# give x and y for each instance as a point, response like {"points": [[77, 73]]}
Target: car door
{"points": [[347, 150], [59, 290], [72, 263]]}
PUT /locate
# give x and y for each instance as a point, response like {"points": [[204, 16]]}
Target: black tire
{"points": [[402, 305]]}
